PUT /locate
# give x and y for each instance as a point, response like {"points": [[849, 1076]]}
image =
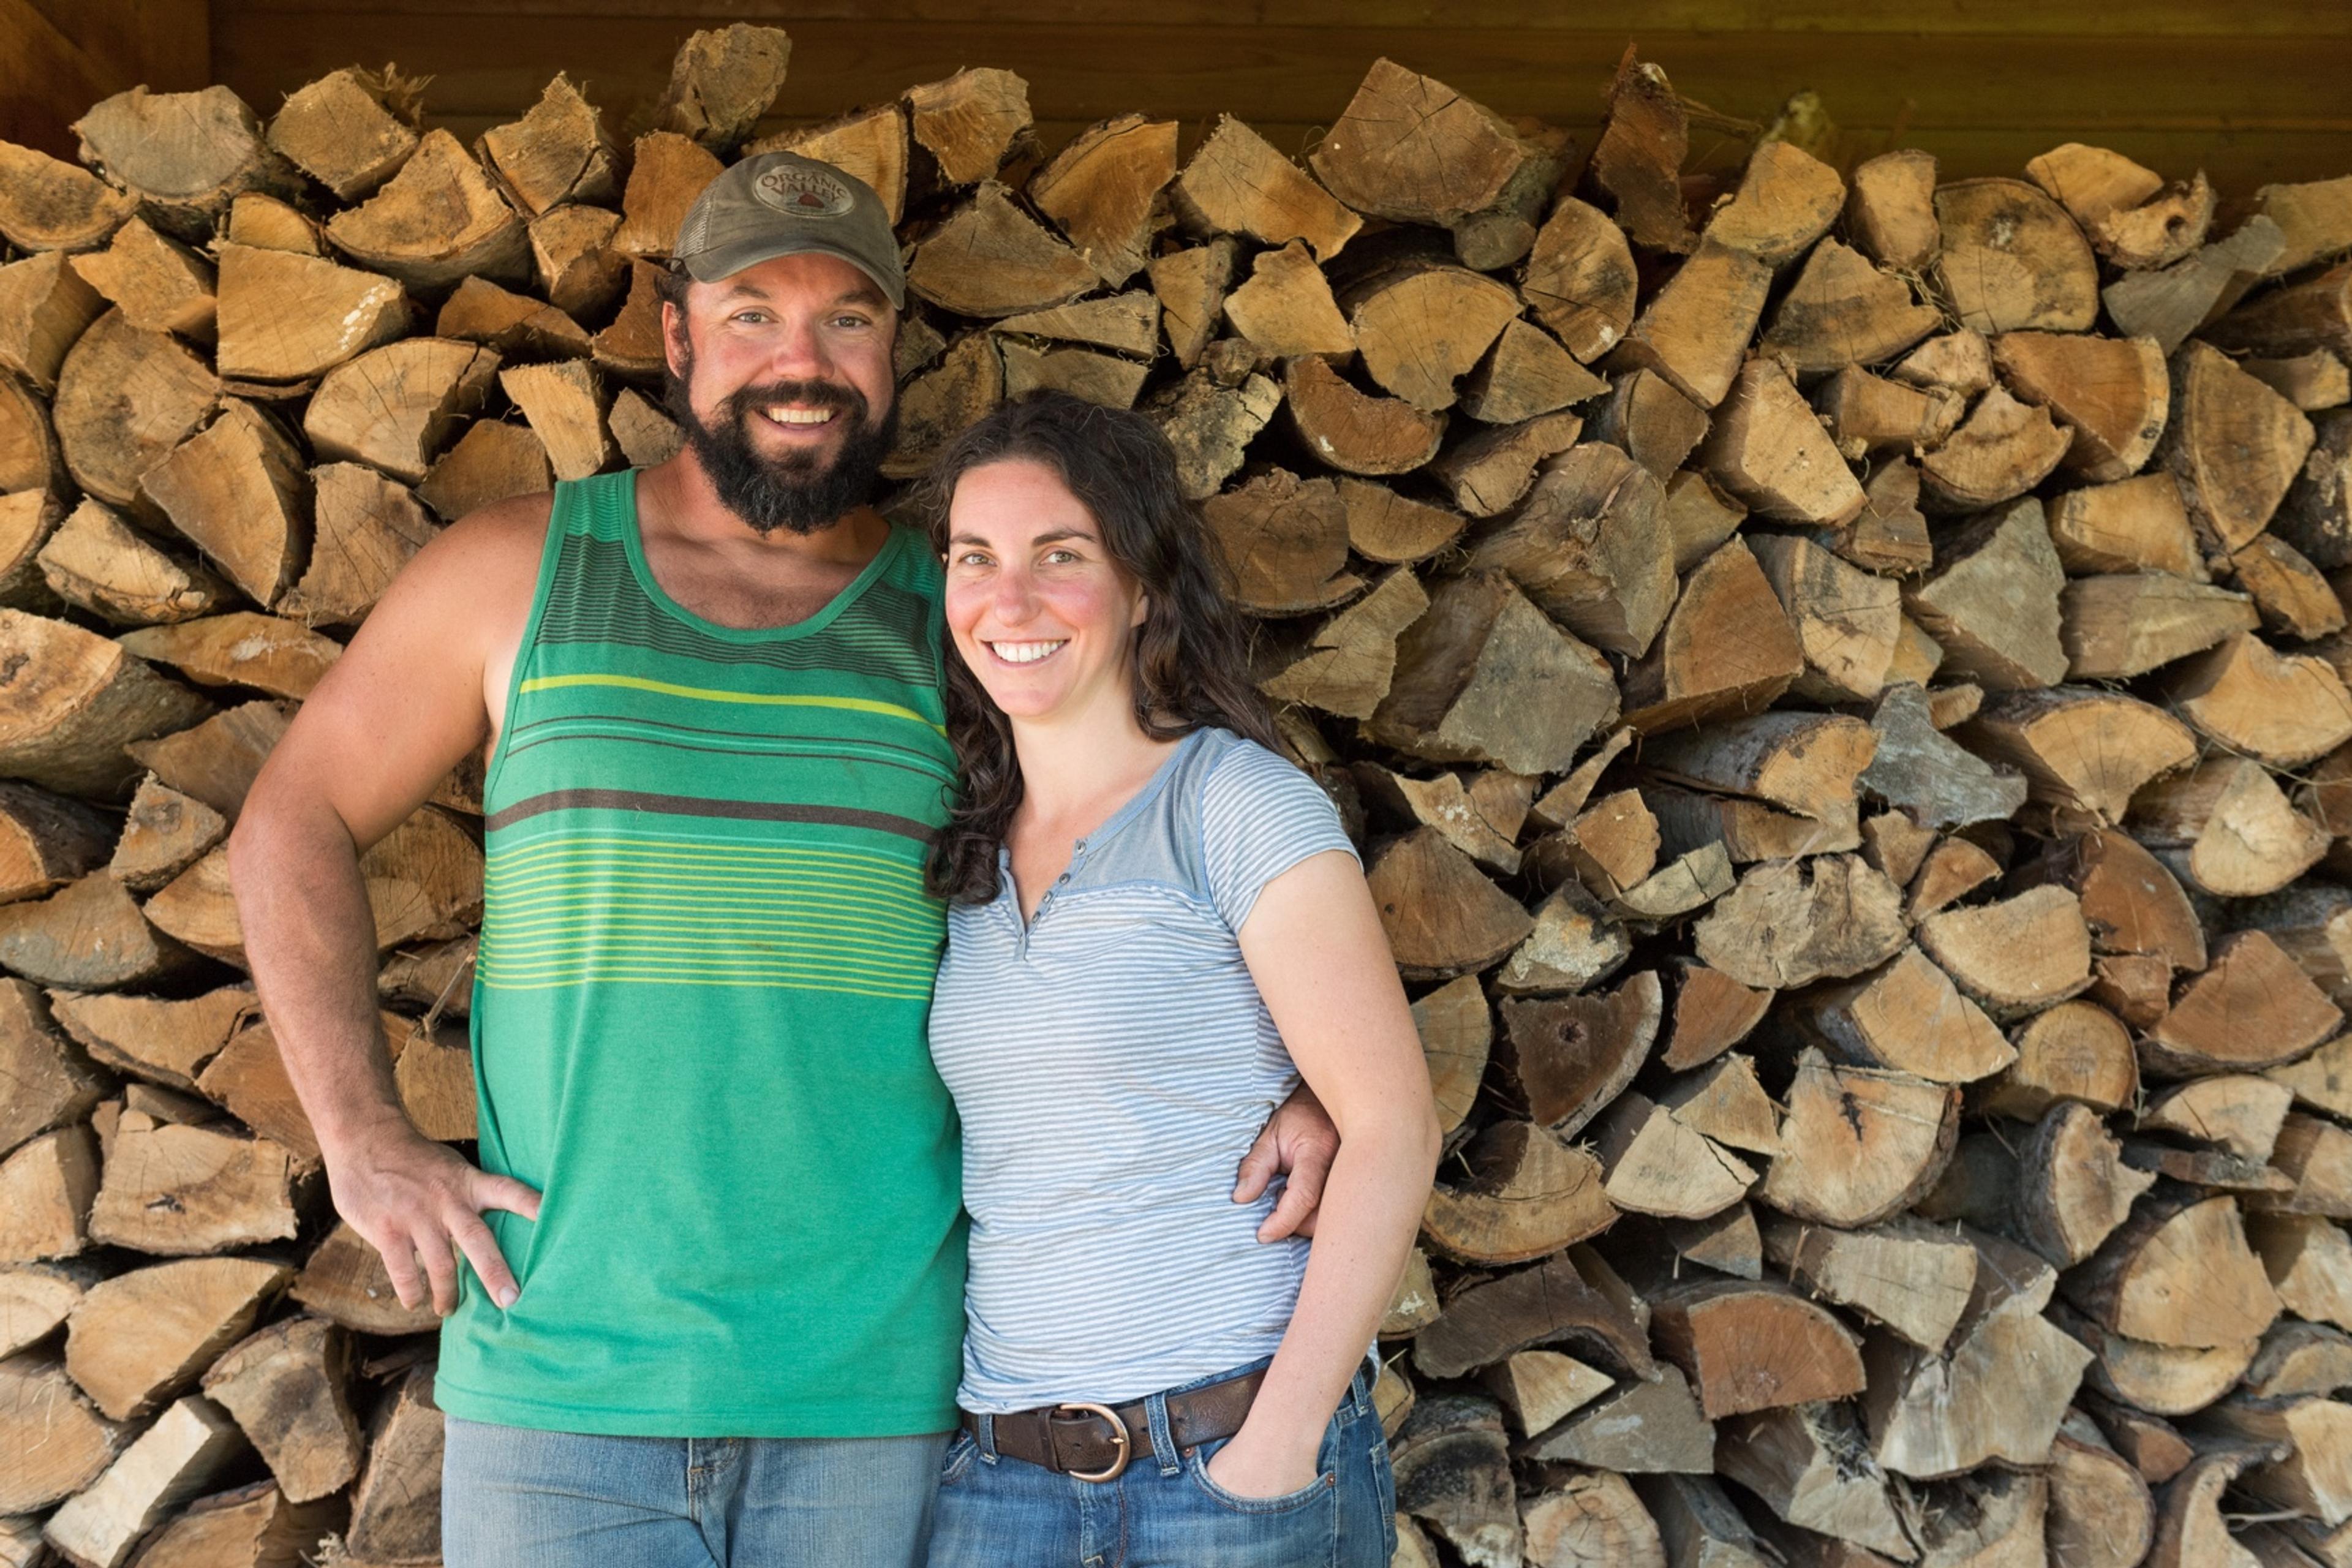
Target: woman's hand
{"points": [[1252, 1466]]}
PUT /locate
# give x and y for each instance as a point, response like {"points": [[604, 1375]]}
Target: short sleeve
{"points": [[1260, 815]]}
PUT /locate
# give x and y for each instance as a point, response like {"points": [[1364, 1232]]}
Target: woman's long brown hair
{"points": [[1192, 652]]}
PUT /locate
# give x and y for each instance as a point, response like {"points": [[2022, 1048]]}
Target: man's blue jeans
{"points": [[514, 1497]]}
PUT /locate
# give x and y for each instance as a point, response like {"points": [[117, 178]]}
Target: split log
{"points": [[2309, 1261], [1208, 424], [1712, 1012], [1489, 470], [2016, 956], [1611, 844], [2300, 1359], [2074, 1052], [163, 834], [1726, 647], [1768, 449], [1791, 922], [397, 1505], [1100, 189], [514, 324], [1755, 1347], [1727, 1104], [252, 1525], [556, 152], [2191, 1532], [350, 131], [990, 259], [286, 320], [87, 934], [1572, 1297], [2311, 380], [2073, 1185], [2113, 395], [2170, 303], [180, 1456], [1810, 1466], [438, 220], [1445, 803], [1287, 309], [178, 1191], [240, 648], [2315, 1155], [1237, 183], [1993, 602], [571, 257], [125, 399], [168, 1042], [2322, 1080], [1588, 545], [1866, 414], [1999, 1394], [2315, 518], [47, 204], [1575, 943], [1442, 915], [1124, 323], [1934, 782], [1999, 1517], [2178, 1273], [565, 405], [1584, 1515], [2013, 260], [491, 461], [969, 123], [45, 305], [2114, 628], [287, 1386], [2091, 183], [2234, 445], [1579, 279], [2161, 231], [344, 1281], [240, 491], [1526, 373], [2001, 450], [50, 1084], [1841, 312], [216, 762], [1913, 1278], [97, 561], [366, 528], [2284, 710], [2313, 314], [1694, 331], [2314, 1477], [1457, 1032], [2229, 828], [1653, 1427], [1350, 662], [1656, 426], [632, 346], [667, 172], [1891, 209], [1656, 1164], [1907, 1017], [2134, 525], [47, 841], [185, 155], [2102, 1514], [1285, 544], [1412, 150], [1700, 519], [55, 1443], [1191, 286], [1529, 1194], [141, 1338], [1356, 431], [1453, 1469], [392, 407], [647, 436], [1421, 326], [2288, 591], [1858, 1144], [1465, 673], [1639, 157]]}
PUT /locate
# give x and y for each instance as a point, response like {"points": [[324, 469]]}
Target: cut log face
{"points": [[1454, 1472], [286, 1385], [45, 305], [47, 204], [2177, 1274], [1530, 1194], [1350, 661], [1915, 1278], [1712, 1012], [1579, 278], [1787, 199], [178, 1191], [2073, 1185], [1569, 1298], [2234, 445], [1866, 414], [95, 562], [2315, 517], [1442, 915], [1100, 189], [166, 1042], [88, 934], [1789, 924], [50, 1084], [2315, 1156], [46, 1190], [1526, 373], [1575, 943], [2115, 396], [2289, 592], [1994, 601], [2284, 710], [438, 220], [55, 1444], [2016, 956], [565, 405], [2134, 525], [1588, 1516], [1237, 183], [1208, 424], [2001, 450], [1489, 470], [1841, 312], [2322, 1080], [2314, 1477], [1768, 449], [1727, 648], [2102, 1514], [2241, 836], [556, 152], [238, 489], [2189, 1527], [1191, 286], [1659, 1164], [1755, 1347], [1422, 327], [1999, 1394], [2253, 1008], [1858, 1144], [991, 259], [1810, 1465], [367, 528], [287, 318], [1457, 1033], [1653, 1427], [1468, 674], [216, 762], [351, 131], [1286, 309], [1411, 149], [125, 399], [1355, 431], [1285, 541], [2074, 1051], [1695, 331], [345, 1282], [1589, 547], [1891, 209], [141, 1338], [2013, 260], [2116, 628], [240, 648], [2240, 1112], [180, 1456], [1909, 1017], [392, 407]]}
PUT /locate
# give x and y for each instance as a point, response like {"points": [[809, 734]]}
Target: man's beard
{"points": [[800, 491]]}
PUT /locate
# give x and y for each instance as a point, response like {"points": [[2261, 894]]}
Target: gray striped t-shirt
{"points": [[1112, 1062]]}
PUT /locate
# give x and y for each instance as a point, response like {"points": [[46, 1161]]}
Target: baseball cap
{"points": [[781, 204]]}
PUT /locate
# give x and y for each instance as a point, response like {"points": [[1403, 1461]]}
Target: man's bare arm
{"points": [[404, 704]]}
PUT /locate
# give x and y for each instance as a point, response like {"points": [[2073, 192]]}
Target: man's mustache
{"points": [[832, 396]]}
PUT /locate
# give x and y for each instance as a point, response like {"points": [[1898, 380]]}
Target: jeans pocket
{"points": [[961, 1451], [1196, 1465]]}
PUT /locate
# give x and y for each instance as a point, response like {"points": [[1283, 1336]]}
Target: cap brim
{"points": [[726, 260]]}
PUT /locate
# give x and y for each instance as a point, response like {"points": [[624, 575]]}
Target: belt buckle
{"points": [[1119, 1436]]}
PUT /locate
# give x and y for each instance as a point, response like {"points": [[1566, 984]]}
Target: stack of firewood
{"points": [[1837, 675]]}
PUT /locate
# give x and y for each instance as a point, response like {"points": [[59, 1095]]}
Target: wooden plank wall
{"points": [[2249, 89]]}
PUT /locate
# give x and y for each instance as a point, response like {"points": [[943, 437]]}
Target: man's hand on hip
{"points": [[420, 1205], [1298, 1142]]}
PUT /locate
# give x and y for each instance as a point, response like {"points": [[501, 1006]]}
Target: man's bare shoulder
{"points": [[486, 561]]}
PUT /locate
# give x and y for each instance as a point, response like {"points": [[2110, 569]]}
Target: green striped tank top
{"points": [[699, 1012]]}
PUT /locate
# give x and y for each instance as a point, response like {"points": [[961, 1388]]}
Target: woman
{"points": [[1157, 925]]}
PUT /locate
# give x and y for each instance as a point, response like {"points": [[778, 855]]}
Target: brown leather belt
{"points": [[1096, 1442]]}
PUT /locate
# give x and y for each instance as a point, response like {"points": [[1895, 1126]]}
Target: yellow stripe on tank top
{"points": [[710, 694]]}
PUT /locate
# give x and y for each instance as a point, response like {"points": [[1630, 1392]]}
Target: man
{"points": [[709, 1302]]}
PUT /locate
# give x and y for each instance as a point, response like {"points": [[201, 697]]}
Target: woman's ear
{"points": [[1142, 612]]}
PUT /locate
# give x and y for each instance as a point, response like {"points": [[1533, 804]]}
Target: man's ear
{"points": [[677, 348]]}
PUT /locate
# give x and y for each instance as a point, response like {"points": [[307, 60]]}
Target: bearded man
{"points": [[703, 1294]]}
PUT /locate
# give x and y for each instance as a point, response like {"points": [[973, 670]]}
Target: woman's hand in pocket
{"points": [[1251, 1466]]}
